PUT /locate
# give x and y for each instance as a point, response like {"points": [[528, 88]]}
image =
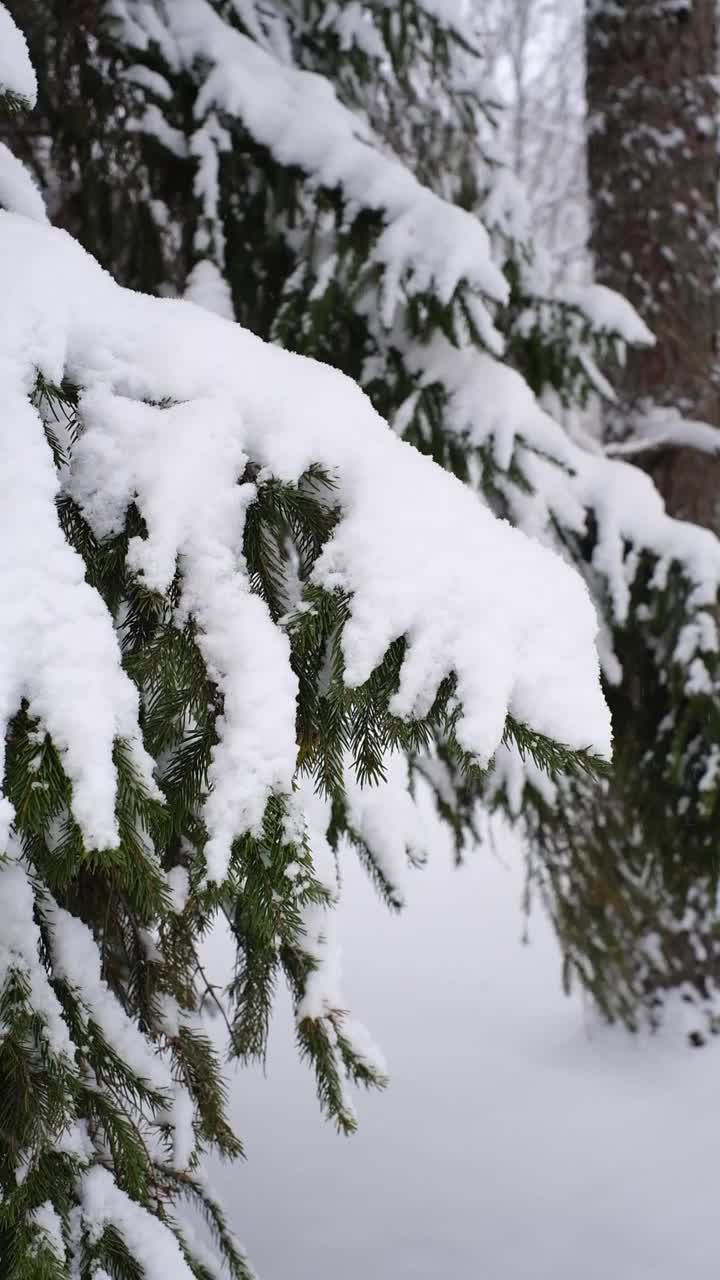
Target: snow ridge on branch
{"points": [[508, 618]]}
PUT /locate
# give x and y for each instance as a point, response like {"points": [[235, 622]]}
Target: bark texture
{"points": [[654, 173]]}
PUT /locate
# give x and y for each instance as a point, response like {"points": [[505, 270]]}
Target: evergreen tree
{"points": [[235, 622], [328, 175]]}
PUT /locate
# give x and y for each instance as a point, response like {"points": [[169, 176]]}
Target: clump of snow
{"points": [[153, 122], [385, 819], [58, 647], [152, 1243], [450, 11], [77, 961], [152, 81], [18, 192], [657, 426], [75, 1141], [17, 75], [208, 288], [48, 1223], [511, 774], [607, 311], [182, 1116], [323, 997], [20, 951], [355, 28], [311, 811], [179, 886]]}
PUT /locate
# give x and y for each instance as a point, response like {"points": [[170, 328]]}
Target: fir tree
{"points": [[361, 215], [235, 625]]}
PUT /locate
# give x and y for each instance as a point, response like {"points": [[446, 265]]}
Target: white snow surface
{"points": [[517, 1138], [513, 621], [16, 70]]}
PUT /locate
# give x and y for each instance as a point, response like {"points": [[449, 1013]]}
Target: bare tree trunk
{"points": [[653, 110], [654, 173]]}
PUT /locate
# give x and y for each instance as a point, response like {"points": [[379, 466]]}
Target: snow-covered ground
{"points": [[517, 1139]]}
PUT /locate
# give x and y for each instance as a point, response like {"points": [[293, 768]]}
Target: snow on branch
{"points": [[17, 76], [20, 952], [455, 13], [607, 312], [18, 192], [105, 1205], [490, 405], [427, 242], [662, 427], [18, 92], [175, 403]]}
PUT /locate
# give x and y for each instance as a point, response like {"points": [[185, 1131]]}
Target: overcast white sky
{"points": [[517, 1140]]}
